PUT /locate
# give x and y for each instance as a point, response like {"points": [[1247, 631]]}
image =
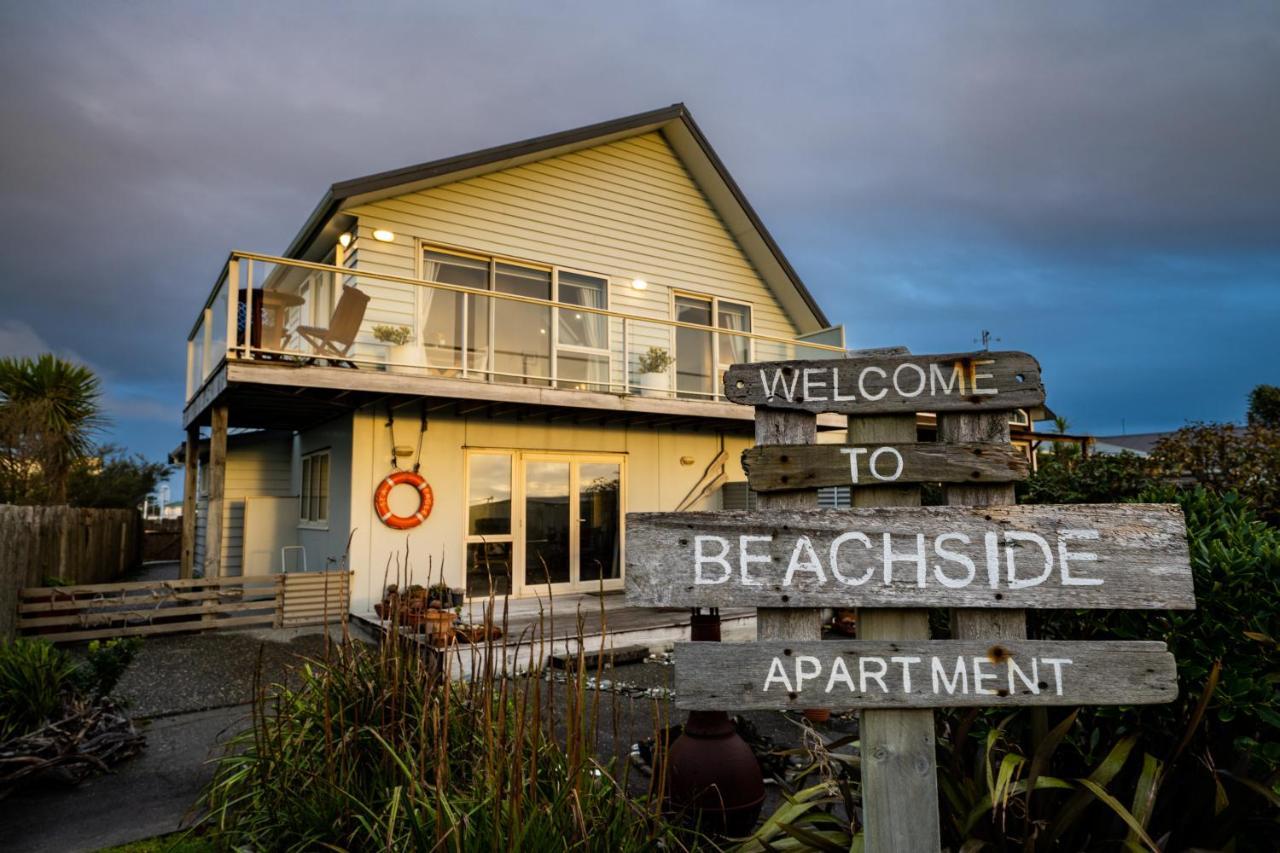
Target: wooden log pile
{"points": [[89, 738]]}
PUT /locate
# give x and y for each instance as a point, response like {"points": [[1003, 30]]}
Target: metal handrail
{"points": [[489, 294]]}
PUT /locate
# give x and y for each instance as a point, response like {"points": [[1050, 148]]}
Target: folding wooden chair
{"points": [[335, 342]]}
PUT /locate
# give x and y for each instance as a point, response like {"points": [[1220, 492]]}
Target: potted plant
{"points": [[654, 365], [400, 346], [390, 601]]}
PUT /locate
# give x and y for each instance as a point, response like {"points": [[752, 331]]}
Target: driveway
{"points": [[188, 694]]}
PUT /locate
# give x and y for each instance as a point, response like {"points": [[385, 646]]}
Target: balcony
{"points": [[483, 332]]}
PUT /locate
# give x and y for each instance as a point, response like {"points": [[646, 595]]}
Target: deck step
{"points": [[591, 659]]}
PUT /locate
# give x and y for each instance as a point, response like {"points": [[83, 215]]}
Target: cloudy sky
{"points": [[1098, 184]]}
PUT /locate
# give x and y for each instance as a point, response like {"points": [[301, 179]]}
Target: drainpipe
{"points": [[711, 772]]}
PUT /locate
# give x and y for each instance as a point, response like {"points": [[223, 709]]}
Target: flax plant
{"points": [[409, 747]]}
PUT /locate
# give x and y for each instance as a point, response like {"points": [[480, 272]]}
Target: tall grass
{"points": [[382, 748]]}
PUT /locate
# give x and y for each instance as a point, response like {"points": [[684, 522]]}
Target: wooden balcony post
{"points": [[217, 486], [189, 487]]}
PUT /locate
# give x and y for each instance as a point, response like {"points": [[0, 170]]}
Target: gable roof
{"points": [[677, 127]]}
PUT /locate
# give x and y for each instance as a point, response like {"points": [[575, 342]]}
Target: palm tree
{"points": [[50, 413]]}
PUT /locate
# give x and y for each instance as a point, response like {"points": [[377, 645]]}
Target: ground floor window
{"points": [[313, 499], [543, 519]]}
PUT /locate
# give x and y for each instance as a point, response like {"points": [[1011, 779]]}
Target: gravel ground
{"points": [[195, 672]]}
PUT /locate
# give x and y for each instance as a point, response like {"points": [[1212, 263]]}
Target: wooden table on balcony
{"points": [[269, 312]]}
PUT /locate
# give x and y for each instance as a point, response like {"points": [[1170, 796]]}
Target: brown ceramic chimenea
{"points": [[710, 769]]}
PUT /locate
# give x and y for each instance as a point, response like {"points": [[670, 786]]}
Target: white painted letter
{"points": [[801, 675], [810, 384], [853, 454], [993, 558], [919, 371], [936, 379], [955, 557], [700, 558], [960, 677], [1082, 556], [835, 557], [1033, 683], [979, 676], [840, 671], [777, 673], [871, 464], [1058, 664], [862, 386], [836, 396], [771, 388], [918, 558], [745, 559], [1021, 536], [974, 376], [810, 563], [878, 676], [906, 671]]}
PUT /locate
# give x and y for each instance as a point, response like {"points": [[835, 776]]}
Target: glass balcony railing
{"points": [[314, 314]]}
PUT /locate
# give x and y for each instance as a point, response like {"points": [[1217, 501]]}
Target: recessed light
{"points": [[383, 235], [345, 239]]}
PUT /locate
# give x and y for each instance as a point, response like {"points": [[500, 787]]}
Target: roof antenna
{"points": [[986, 340]]}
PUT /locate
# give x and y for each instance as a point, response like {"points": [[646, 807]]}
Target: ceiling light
{"points": [[639, 283], [344, 239], [383, 235]]}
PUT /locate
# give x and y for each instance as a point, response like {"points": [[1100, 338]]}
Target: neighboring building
{"points": [[1141, 443], [488, 320]]}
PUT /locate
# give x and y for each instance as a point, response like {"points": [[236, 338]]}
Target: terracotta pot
{"points": [[817, 715]]}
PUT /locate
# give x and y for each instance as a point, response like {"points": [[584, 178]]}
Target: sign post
{"points": [[983, 557]]}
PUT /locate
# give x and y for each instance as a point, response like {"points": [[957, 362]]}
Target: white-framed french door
{"points": [[539, 518]]}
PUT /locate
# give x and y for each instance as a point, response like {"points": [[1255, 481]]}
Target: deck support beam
{"points": [[191, 466], [217, 486]]}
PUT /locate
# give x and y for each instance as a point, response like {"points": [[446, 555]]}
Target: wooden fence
{"points": [[69, 614], [72, 544]]}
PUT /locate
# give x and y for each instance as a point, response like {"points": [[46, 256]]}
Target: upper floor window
{"points": [[702, 357], [509, 340]]}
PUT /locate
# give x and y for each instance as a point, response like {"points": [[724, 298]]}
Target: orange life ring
{"points": [[382, 506]]}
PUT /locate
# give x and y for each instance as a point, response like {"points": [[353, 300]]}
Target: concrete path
{"points": [[147, 795], [195, 690]]}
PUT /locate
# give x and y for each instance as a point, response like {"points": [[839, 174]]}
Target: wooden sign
{"points": [[785, 467], [1071, 556], [891, 384], [921, 674]]}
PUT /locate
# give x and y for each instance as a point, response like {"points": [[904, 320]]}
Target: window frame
{"points": [[516, 537], [306, 473], [492, 261], [717, 369]]}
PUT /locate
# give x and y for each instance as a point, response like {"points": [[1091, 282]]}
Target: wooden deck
{"points": [[536, 628]]}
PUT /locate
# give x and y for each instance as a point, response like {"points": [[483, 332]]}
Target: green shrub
{"points": [[1235, 563], [105, 663], [1094, 479], [33, 677]]}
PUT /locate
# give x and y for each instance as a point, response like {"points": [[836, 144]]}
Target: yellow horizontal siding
{"points": [[623, 209]]}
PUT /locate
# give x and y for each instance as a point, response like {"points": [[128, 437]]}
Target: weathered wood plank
{"points": [[1068, 556], [775, 427], [902, 384], [772, 469], [921, 674], [139, 615], [897, 746], [168, 628]]}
